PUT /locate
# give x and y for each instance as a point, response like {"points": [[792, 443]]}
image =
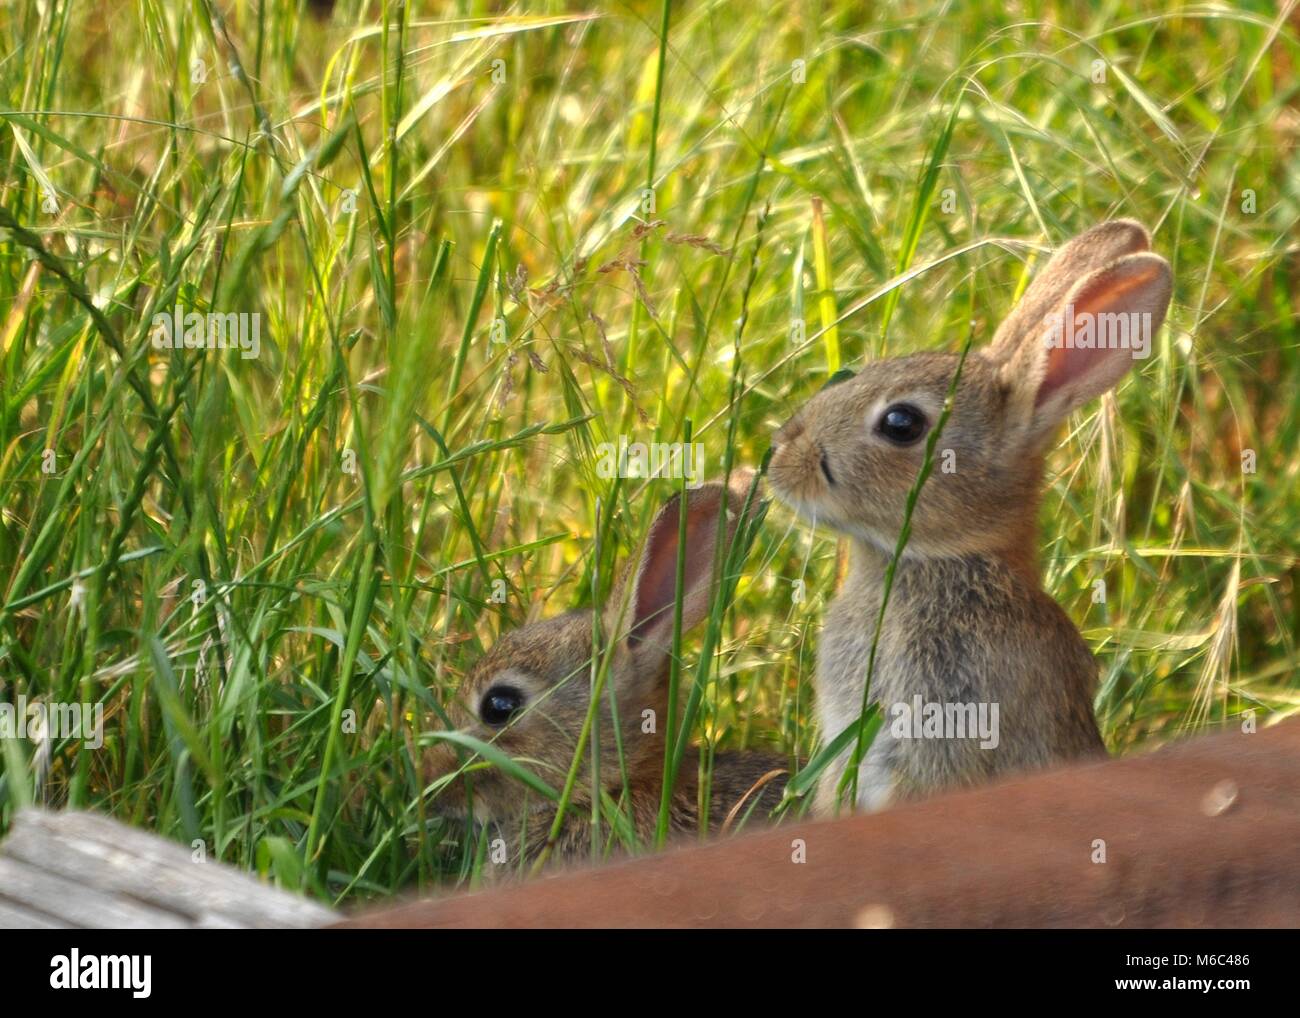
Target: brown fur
{"points": [[550, 661], [967, 621]]}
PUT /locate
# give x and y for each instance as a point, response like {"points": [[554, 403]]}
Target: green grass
{"points": [[273, 571]]}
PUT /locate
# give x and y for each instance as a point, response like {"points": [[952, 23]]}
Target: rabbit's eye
{"points": [[499, 705], [902, 423]]}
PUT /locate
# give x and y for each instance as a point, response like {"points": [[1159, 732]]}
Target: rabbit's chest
{"points": [[918, 656], [842, 657], [923, 658]]}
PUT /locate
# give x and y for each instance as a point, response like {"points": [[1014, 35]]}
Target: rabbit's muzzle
{"points": [[442, 767], [439, 760], [799, 469], [454, 795]]}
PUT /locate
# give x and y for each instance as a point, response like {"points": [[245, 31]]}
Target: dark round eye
{"points": [[499, 705], [902, 423]]}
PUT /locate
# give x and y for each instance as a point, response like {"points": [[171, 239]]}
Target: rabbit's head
{"points": [[849, 458], [529, 695]]}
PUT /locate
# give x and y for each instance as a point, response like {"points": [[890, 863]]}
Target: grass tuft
{"points": [[481, 244]]}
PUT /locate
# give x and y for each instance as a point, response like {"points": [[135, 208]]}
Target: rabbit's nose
{"points": [[439, 760]]}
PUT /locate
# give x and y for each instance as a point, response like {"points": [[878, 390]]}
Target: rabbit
{"points": [[530, 693], [967, 622]]}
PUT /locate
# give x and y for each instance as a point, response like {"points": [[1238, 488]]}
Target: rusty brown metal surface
{"points": [[1202, 833]]}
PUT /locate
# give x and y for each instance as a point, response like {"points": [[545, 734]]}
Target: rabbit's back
{"points": [[745, 787], [746, 783]]}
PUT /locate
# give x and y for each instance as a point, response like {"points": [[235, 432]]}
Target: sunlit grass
{"points": [[241, 558]]}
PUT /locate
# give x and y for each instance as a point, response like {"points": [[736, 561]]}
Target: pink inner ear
{"points": [[1097, 369], [657, 585], [1065, 366]]}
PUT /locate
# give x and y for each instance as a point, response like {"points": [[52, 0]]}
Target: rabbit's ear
{"points": [[1091, 250], [648, 615], [1088, 342]]}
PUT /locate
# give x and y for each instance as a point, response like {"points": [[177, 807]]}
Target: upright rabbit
{"points": [[529, 696], [968, 626]]}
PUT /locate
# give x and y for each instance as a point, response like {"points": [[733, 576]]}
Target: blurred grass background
{"points": [[271, 572]]}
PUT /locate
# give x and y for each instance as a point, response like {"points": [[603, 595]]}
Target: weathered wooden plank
{"points": [[77, 903], [18, 917], [1202, 833], [119, 860]]}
